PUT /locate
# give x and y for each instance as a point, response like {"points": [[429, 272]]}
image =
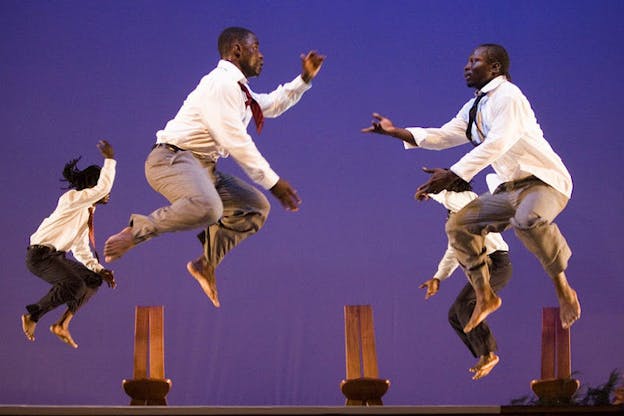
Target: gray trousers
{"points": [[225, 207], [72, 283], [529, 206]]}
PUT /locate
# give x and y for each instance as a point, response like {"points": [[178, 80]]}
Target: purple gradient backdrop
{"points": [[73, 72]]}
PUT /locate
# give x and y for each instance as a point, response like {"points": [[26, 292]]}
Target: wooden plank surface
{"points": [[157, 342], [564, 362], [141, 322], [352, 341], [367, 332], [549, 316]]}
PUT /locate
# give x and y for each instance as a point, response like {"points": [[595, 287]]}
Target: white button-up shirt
{"points": [[511, 140], [213, 119], [67, 229]]}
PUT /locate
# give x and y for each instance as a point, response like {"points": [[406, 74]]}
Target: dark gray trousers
{"points": [[72, 283], [480, 340]]}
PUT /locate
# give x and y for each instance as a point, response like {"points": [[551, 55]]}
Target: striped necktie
{"points": [[472, 116]]}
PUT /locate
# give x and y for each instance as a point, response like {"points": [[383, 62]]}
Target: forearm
{"points": [[403, 135]]}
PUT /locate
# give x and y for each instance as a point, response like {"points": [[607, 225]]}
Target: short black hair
{"points": [[80, 179], [229, 36], [497, 53]]}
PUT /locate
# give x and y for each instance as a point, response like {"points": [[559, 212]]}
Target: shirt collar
{"points": [[232, 71], [492, 85]]}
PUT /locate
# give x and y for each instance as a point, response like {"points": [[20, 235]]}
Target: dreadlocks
{"points": [[80, 179]]}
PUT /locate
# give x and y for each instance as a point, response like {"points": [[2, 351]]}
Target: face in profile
{"points": [[478, 70], [251, 59]]}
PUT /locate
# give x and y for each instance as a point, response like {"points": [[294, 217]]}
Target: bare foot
{"points": [[482, 309], [204, 273], [569, 307], [63, 334], [485, 364], [117, 245], [28, 326]]}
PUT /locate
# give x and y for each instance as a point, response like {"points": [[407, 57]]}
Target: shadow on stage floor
{"points": [[304, 410]]}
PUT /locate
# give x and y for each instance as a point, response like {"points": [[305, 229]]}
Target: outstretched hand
{"points": [[383, 125], [432, 286], [286, 195], [105, 149], [108, 277], [380, 125], [440, 180], [311, 65]]}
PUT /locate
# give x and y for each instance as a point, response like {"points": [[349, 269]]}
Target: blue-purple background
{"points": [[72, 72]]}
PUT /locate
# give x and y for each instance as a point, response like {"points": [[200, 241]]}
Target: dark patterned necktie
{"points": [[92, 232], [256, 111], [472, 116]]}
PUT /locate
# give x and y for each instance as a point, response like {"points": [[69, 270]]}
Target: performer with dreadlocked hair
{"points": [[480, 340], [69, 228]]}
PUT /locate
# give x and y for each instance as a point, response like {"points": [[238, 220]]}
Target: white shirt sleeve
{"points": [[82, 252], [89, 196], [282, 98], [451, 134], [447, 264], [223, 104], [453, 201]]}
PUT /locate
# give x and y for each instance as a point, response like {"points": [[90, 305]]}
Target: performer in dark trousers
{"points": [[480, 340], [70, 228]]}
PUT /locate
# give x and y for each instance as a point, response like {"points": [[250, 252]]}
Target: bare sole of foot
{"points": [[63, 335], [481, 312], [28, 326], [117, 245], [206, 280], [484, 367], [569, 308]]}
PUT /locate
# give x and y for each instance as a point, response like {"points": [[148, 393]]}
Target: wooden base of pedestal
{"points": [[147, 391], [555, 391], [364, 391]]}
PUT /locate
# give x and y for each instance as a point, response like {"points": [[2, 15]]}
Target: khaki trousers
{"points": [[530, 207]]}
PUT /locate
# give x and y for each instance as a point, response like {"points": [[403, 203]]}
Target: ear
{"points": [[237, 50], [497, 68]]}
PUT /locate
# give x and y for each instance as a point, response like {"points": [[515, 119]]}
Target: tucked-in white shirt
{"points": [[213, 119], [67, 228], [454, 201], [511, 140]]}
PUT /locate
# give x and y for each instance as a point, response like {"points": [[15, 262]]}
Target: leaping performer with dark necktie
{"points": [[536, 187], [182, 166], [70, 228]]}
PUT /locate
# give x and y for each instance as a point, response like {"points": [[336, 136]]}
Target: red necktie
{"points": [[92, 232], [256, 111]]}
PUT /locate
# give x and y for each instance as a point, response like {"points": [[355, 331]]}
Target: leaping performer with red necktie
{"points": [[70, 228], [212, 123]]}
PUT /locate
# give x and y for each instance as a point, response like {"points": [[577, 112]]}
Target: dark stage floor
{"points": [[304, 410]]}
